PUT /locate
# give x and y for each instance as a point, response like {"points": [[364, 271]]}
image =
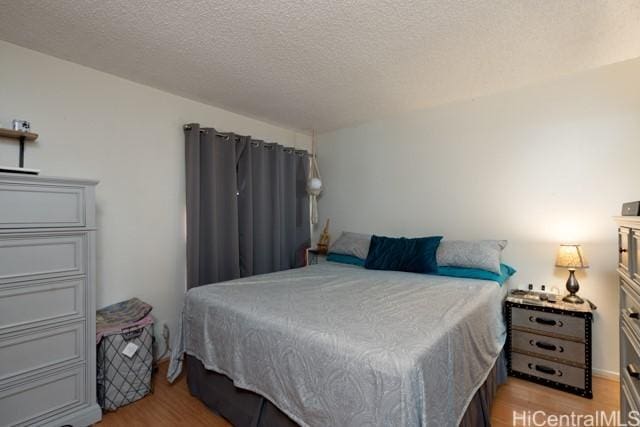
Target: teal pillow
{"points": [[506, 271], [345, 259]]}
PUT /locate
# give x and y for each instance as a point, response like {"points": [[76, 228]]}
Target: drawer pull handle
{"points": [[634, 315], [547, 346], [543, 321], [622, 250], [632, 371], [545, 369]]}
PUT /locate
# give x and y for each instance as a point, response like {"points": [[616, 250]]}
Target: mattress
{"points": [[331, 344]]}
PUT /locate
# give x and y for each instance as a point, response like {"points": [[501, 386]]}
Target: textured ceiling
{"points": [[325, 64]]}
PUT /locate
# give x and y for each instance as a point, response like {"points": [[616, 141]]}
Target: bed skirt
{"points": [[243, 408]]}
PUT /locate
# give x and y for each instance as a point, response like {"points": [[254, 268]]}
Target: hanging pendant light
{"points": [[314, 183]]}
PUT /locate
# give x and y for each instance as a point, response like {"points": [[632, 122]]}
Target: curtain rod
{"points": [[222, 135], [237, 137]]}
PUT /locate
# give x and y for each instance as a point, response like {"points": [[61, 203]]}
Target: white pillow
{"points": [[353, 244], [481, 254]]}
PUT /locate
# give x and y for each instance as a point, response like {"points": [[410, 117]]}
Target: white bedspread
{"points": [[337, 345]]}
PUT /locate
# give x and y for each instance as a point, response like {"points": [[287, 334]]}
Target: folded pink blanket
{"points": [[115, 318]]}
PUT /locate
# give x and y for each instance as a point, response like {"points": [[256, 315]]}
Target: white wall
{"points": [[537, 166], [129, 136]]}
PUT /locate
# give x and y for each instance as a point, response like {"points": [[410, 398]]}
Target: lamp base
{"points": [[572, 287], [573, 299]]}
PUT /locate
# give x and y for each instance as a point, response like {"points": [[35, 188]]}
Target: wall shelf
{"points": [[16, 134], [22, 137]]}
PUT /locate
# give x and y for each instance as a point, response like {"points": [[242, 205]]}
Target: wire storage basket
{"points": [[123, 377]]}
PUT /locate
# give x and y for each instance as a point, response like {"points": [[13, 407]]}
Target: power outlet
{"points": [[166, 333], [163, 340], [166, 338]]}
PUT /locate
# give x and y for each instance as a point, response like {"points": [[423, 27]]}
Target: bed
{"points": [[337, 345]]}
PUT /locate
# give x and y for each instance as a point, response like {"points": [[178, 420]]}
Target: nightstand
{"points": [[314, 256], [550, 344]]}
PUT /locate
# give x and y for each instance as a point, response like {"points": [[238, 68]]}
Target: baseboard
{"points": [[608, 375], [84, 417]]}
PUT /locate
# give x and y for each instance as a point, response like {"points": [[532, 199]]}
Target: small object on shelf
{"points": [[543, 294], [631, 209], [21, 125], [571, 257], [323, 241], [22, 137]]}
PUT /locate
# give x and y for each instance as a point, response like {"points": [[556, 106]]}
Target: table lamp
{"points": [[571, 257]]}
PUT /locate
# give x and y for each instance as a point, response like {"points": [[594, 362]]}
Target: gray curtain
{"points": [[247, 206]]}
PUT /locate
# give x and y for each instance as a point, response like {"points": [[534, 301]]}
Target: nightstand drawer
{"points": [[548, 370], [570, 351], [548, 322]]}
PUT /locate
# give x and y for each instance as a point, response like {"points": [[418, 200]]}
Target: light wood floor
{"points": [[519, 395], [172, 405]]}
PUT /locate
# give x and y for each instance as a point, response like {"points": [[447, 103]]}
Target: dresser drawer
{"points": [[635, 255], [628, 401], [24, 205], [630, 358], [27, 353], [624, 236], [630, 305], [29, 404], [35, 303], [546, 369], [570, 351], [561, 324], [28, 257]]}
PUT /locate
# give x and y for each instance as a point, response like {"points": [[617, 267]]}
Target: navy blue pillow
{"points": [[402, 254]]}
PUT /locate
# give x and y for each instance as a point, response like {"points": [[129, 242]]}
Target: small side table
{"points": [[550, 344], [314, 256]]}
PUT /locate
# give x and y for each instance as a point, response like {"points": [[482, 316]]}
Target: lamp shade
{"points": [[571, 256]]}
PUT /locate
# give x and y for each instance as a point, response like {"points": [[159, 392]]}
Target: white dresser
{"points": [[629, 279], [47, 301]]}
